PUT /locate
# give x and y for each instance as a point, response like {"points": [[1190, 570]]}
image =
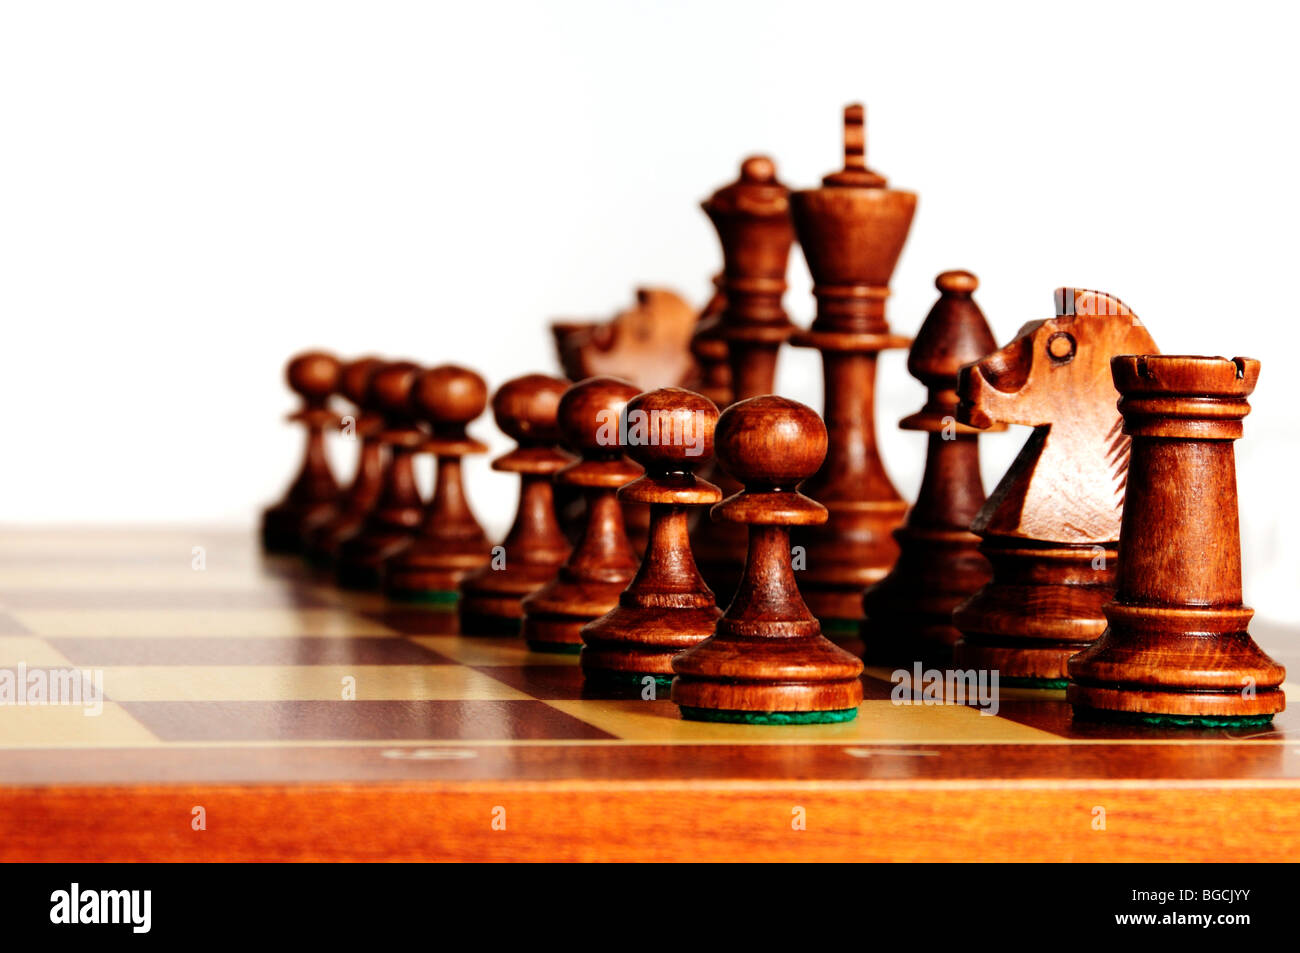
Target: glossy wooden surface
{"points": [[909, 612], [1177, 642], [667, 608], [224, 690], [1050, 528], [852, 231], [648, 344]]}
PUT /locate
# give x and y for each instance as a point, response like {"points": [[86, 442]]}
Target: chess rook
{"points": [[752, 219], [1177, 650], [667, 608], [852, 231], [767, 661], [311, 499], [449, 543], [491, 597], [909, 612], [601, 565], [368, 479], [1050, 528], [389, 526]]}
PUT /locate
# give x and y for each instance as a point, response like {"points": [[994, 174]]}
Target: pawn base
{"points": [[360, 564], [770, 717], [491, 600], [285, 526]]}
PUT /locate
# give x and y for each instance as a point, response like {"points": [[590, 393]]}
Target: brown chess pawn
{"points": [[752, 219], [359, 498], [1050, 528], [667, 608], [491, 597], [450, 543], [909, 612], [852, 231], [1177, 650], [389, 526], [767, 662], [603, 563], [313, 495]]}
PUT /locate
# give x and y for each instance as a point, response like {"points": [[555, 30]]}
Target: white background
{"points": [[191, 192]]}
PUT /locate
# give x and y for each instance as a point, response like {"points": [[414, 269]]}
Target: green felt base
{"points": [[840, 627], [440, 597], [637, 679], [1052, 683], [556, 648], [1174, 721], [769, 717]]}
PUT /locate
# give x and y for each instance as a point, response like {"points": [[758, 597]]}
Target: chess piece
{"points": [[1177, 650], [647, 345], [389, 526], [313, 495], [449, 543], [359, 498], [1050, 528], [852, 231], [709, 347], [752, 219], [491, 597], [909, 612], [667, 608], [603, 563], [767, 662]]}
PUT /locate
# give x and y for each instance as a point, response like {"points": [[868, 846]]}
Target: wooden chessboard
{"points": [[225, 690]]}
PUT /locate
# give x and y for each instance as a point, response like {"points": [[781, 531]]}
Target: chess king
{"points": [[852, 231], [1050, 528]]}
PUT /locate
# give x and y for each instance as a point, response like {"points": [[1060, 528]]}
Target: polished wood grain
{"points": [[491, 597], [1177, 643], [767, 654], [909, 612], [1050, 528], [601, 565], [752, 219], [450, 543], [667, 608], [852, 231], [313, 495], [391, 523]]}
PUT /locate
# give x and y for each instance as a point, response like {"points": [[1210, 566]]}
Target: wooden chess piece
{"points": [[313, 495], [603, 563], [667, 608], [852, 231], [709, 347], [767, 662], [1050, 528], [752, 219], [647, 345], [368, 479], [491, 597], [389, 526], [450, 543], [1177, 650], [909, 612]]}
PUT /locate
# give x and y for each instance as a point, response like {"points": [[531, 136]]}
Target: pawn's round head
{"points": [[525, 408], [589, 415], [770, 442], [957, 282], [389, 392], [448, 395], [355, 378], [670, 430], [314, 375]]}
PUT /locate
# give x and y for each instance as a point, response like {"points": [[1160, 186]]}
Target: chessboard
{"points": [[253, 711]]}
